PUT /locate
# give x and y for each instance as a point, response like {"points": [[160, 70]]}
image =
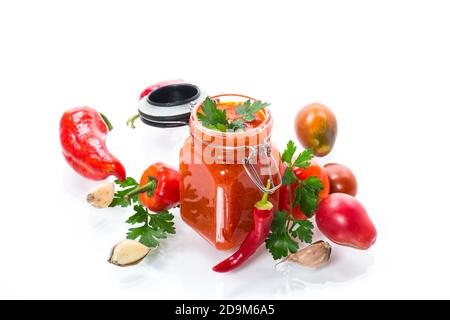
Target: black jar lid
{"points": [[170, 105]]}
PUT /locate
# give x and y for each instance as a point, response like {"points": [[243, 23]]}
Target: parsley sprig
{"points": [[120, 196], [214, 118], [285, 229], [155, 226]]}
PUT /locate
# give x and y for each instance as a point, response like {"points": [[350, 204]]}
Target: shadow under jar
{"points": [[223, 174]]}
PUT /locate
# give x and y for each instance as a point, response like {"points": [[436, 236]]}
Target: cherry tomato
{"points": [[313, 170], [316, 128], [342, 179], [343, 220]]}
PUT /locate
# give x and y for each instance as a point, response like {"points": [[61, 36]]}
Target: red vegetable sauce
{"points": [[229, 107]]}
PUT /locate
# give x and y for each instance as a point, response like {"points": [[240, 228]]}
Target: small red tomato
{"points": [[343, 220], [316, 128], [342, 179], [313, 170]]}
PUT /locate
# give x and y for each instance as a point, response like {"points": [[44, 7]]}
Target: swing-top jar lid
{"points": [[169, 105]]}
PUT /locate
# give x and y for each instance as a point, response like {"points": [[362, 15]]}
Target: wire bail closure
{"points": [[252, 172]]}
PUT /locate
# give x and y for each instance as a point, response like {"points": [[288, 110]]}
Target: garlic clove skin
{"points": [[315, 255], [101, 196], [128, 252]]}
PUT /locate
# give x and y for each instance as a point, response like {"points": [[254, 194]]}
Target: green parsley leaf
{"points": [[163, 221], [298, 194], [289, 177], [248, 109], [288, 153], [280, 245], [309, 195], [279, 221], [279, 242], [147, 236], [128, 182], [243, 108], [156, 226], [302, 229], [302, 161], [237, 124], [313, 183], [256, 106], [128, 185], [211, 117], [139, 217]]}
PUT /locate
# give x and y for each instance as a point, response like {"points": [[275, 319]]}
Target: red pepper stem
{"points": [[149, 187], [131, 120], [264, 204], [107, 122]]}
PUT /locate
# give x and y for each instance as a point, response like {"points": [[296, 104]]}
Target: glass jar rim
{"points": [[195, 123]]}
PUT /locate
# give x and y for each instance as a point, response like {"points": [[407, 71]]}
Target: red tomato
{"points": [[316, 128], [342, 179], [313, 170], [343, 220]]}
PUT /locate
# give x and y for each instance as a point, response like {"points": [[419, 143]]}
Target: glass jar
{"points": [[223, 174]]}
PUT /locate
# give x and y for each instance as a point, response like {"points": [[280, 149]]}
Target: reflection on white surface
{"points": [[344, 266]]}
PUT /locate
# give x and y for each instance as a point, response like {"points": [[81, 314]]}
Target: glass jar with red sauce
{"points": [[223, 174]]}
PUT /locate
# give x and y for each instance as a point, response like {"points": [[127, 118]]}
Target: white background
{"points": [[382, 66]]}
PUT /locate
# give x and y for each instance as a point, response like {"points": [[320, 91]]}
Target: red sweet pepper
{"points": [[262, 220], [83, 133], [159, 188]]}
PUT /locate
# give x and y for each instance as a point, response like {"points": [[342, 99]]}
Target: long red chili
{"points": [[159, 188], [83, 133], [262, 219]]}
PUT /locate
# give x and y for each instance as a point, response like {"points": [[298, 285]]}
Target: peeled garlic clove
{"points": [[313, 256], [101, 196], [128, 252]]}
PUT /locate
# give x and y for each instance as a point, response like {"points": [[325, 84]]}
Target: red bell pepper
{"points": [[82, 134], [159, 188]]}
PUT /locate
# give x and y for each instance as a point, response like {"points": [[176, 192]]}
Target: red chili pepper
{"points": [[83, 134], [262, 219], [159, 188]]}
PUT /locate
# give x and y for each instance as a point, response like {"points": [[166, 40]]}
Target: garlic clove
{"points": [[128, 252], [101, 196], [315, 255]]}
